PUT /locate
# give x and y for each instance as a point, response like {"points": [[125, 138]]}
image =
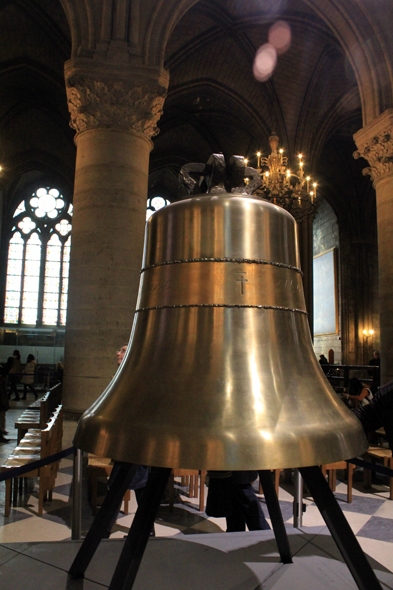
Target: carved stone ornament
{"points": [[379, 153], [116, 104]]}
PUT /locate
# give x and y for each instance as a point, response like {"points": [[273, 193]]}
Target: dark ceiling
{"points": [[214, 102]]}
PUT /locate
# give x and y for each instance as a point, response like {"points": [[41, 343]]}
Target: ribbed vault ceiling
{"points": [[312, 100]]}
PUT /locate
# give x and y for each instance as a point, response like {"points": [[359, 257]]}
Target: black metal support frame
{"points": [[102, 521], [135, 544], [275, 514], [347, 543]]}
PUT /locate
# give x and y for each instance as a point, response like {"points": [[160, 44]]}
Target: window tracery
{"points": [[38, 260]]}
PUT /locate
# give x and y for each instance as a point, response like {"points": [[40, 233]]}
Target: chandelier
{"points": [[284, 188]]}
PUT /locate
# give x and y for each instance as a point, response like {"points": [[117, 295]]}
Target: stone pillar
{"points": [[375, 144], [306, 260], [114, 112]]}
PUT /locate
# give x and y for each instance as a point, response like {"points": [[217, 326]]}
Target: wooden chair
{"points": [[189, 477], [36, 416], [50, 443], [276, 481], [101, 467], [378, 454], [331, 468]]}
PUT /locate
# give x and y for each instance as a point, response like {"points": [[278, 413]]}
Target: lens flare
{"points": [[264, 62], [280, 36]]}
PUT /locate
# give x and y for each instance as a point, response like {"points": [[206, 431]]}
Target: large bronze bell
{"points": [[221, 373]]}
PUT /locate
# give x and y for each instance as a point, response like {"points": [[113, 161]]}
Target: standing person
{"points": [[59, 371], [375, 362], [14, 373], [323, 361], [4, 405], [232, 495], [28, 376], [139, 480]]}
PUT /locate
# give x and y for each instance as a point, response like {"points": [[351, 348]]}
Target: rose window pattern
{"points": [[154, 204], [38, 260]]}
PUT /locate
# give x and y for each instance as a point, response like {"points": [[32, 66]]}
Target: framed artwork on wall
{"points": [[325, 293]]}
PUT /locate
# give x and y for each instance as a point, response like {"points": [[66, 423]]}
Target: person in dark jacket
{"points": [[14, 370], [231, 494], [4, 405], [379, 412]]}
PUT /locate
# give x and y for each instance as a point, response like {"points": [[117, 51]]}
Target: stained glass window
{"points": [[38, 260], [154, 204]]}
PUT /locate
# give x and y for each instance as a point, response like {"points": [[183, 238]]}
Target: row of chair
{"points": [[37, 414], [101, 467], [195, 480], [36, 444]]}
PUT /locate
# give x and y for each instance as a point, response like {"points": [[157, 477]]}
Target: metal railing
{"points": [[341, 374], [76, 517]]}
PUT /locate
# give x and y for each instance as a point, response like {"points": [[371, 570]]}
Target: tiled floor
{"points": [[370, 514]]}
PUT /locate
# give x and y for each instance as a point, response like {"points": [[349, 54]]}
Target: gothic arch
{"points": [[365, 49]]}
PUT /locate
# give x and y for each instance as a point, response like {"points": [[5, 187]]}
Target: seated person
{"points": [[379, 412], [358, 392]]}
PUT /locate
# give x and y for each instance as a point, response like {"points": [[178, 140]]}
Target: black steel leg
{"points": [[276, 516], [138, 536], [340, 530], [102, 520]]}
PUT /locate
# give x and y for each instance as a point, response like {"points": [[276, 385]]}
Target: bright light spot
{"points": [[280, 36], [264, 62], [256, 386], [26, 225], [46, 202], [158, 203], [265, 435]]}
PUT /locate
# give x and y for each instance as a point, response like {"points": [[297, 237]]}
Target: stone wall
{"points": [[326, 237]]}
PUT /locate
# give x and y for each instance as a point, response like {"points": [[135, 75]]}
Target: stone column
{"points": [[306, 259], [114, 112], [375, 143]]}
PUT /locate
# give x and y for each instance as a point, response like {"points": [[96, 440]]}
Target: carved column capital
{"points": [[375, 144], [129, 99]]}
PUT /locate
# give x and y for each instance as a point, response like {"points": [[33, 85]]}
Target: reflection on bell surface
{"points": [[221, 373]]}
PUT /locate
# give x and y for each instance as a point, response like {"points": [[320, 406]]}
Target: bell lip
{"points": [[357, 444]]}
